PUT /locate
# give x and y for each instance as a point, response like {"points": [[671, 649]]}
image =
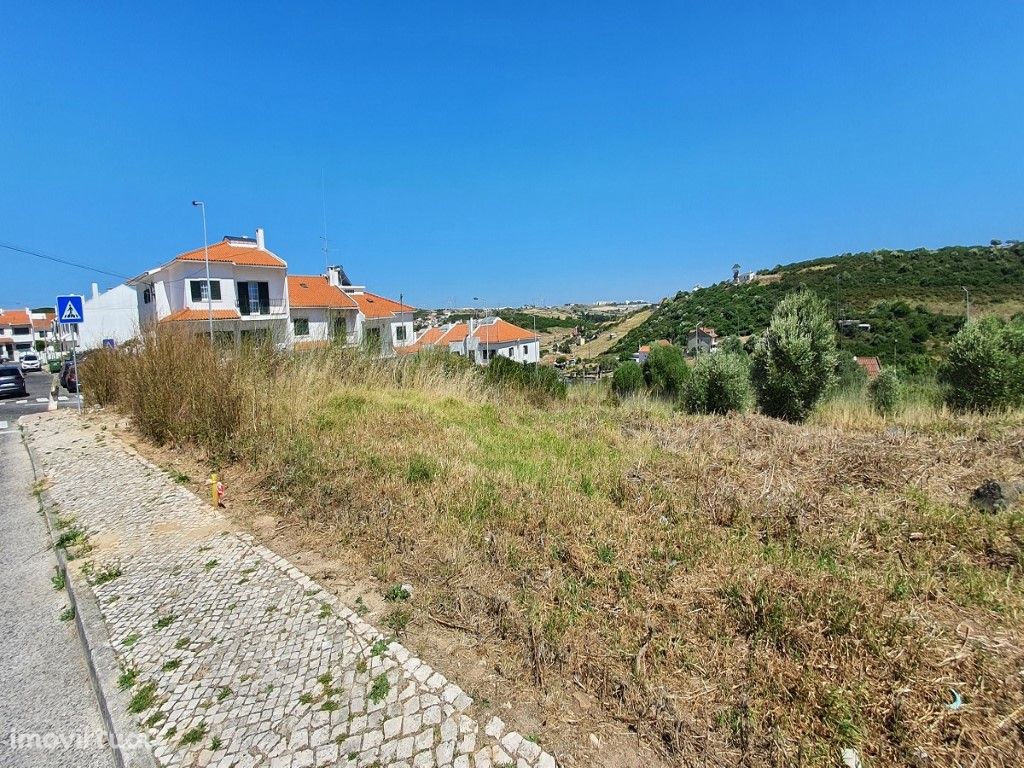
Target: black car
{"points": [[69, 376], [12, 380]]}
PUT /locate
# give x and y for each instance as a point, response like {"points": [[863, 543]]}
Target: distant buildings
{"points": [[701, 339], [21, 329], [482, 340]]}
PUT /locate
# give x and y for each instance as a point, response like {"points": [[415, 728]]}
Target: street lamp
{"points": [[206, 248], [967, 293]]}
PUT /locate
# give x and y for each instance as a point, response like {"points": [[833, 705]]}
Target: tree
{"points": [[984, 369], [886, 392], [40, 345], [628, 379], [795, 359], [719, 383], [665, 371]]}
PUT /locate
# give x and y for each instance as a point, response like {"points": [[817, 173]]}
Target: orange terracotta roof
{"points": [[869, 364], [40, 324], [430, 336], [456, 333], [15, 317], [201, 314], [317, 291], [231, 253], [6, 340], [372, 305], [500, 331], [645, 348]]}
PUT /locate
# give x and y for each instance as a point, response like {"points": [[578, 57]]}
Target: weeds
{"points": [[127, 678], [58, 579], [796, 576], [380, 688], [68, 614], [194, 735], [164, 621], [143, 698]]}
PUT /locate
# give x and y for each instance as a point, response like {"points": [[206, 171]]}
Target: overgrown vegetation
{"points": [[985, 367], [912, 300], [794, 361], [761, 592]]}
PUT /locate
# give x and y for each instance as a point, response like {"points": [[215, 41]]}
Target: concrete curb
{"points": [[128, 745]]}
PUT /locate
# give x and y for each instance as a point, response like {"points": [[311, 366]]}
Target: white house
{"points": [[113, 315], [328, 307], [16, 333], [481, 341], [701, 339], [319, 311], [246, 295]]}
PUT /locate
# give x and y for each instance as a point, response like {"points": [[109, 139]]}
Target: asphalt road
{"points": [[38, 398], [48, 711]]}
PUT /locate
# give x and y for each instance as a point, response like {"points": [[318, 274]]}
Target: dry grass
{"points": [[742, 591]]}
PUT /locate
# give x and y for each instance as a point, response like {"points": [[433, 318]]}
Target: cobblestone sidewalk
{"points": [[240, 660]]}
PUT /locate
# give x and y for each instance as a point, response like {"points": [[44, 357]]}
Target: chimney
{"points": [[334, 276], [260, 241], [95, 290], [472, 326]]}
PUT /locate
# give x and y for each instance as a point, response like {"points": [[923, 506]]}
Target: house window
{"points": [[253, 298], [147, 296], [526, 351], [300, 326], [400, 333], [202, 290]]}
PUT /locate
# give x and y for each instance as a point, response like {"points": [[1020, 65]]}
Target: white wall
{"points": [[114, 314]]}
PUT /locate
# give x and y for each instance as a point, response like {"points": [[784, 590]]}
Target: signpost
{"points": [[71, 312]]}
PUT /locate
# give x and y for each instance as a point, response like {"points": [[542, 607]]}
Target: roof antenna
{"points": [[323, 200]]}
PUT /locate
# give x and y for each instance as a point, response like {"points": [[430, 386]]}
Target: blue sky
{"points": [[519, 152]]}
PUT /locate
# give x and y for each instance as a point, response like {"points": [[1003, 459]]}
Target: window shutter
{"points": [[197, 290], [264, 298], [243, 297], [215, 289]]}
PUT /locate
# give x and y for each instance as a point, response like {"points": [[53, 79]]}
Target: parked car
{"points": [[12, 381], [30, 362], [69, 376]]}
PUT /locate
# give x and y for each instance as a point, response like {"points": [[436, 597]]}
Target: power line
{"points": [[57, 260]]}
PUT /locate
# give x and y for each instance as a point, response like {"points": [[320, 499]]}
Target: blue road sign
{"points": [[69, 310]]}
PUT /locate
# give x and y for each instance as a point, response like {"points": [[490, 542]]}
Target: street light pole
{"points": [[206, 248], [968, 295]]}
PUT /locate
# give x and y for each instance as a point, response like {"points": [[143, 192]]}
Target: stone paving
{"points": [[242, 659]]}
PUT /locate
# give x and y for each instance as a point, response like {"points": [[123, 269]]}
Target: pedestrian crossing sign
{"points": [[69, 310]]}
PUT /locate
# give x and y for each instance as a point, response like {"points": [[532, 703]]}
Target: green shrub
{"points": [[665, 371], [795, 359], [850, 375], [984, 369], [538, 381], [719, 383], [628, 379], [886, 392]]}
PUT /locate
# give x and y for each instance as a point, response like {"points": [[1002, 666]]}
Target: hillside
{"points": [[913, 300]]}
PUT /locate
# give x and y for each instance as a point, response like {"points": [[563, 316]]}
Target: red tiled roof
{"points": [[500, 331], [708, 331], [373, 306], [870, 365], [317, 291], [6, 340], [232, 253], [430, 336], [42, 324], [15, 317], [201, 314], [456, 333]]}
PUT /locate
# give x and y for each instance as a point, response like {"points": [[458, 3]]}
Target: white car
{"points": [[30, 362]]}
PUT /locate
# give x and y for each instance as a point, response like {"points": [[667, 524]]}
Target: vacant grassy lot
{"points": [[745, 592]]}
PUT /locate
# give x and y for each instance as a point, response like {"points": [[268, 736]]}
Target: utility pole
{"points": [[206, 247]]}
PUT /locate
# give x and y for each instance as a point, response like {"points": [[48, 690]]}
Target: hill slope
{"points": [[913, 300]]}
